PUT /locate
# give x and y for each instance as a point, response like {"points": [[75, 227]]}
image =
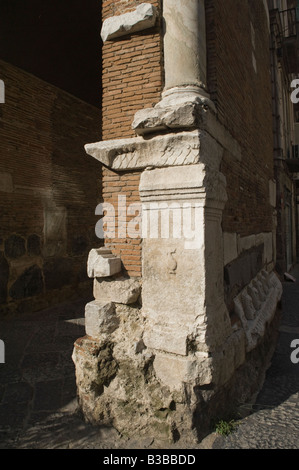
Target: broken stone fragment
{"points": [[143, 17], [100, 319], [119, 290], [102, 263], [178, 116]]}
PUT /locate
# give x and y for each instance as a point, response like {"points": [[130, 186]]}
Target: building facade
{"points": [[48, 192], [284, 69], [186, 296], [48, 110]]}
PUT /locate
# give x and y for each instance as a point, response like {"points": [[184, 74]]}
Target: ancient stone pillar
{"points": [[185, 68], [186, 318], [184, 47], [167, 365]]}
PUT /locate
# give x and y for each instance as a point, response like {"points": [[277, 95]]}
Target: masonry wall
{"points": [[49, 190], [132, 80], [239, 82], [240, 85]]}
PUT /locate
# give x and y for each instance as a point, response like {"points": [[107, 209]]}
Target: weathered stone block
{"points": [[248, 306], [268, 251], [177, 116], [245, 243], [169, 338], [100, 318], [175, 371], [143, 17], [255, 299], [119, 290], [102, 263], [160, 151], [95, 367], [256, 316]]}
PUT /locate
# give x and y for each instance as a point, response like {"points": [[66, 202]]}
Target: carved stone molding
{"points": [[190, 183], [175, 149], [255, 311]]}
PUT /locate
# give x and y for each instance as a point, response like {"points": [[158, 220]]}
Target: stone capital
{"points": [[190, 183], [173, 149]]}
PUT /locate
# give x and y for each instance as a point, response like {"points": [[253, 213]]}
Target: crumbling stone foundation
{"points": [[118, 385]]}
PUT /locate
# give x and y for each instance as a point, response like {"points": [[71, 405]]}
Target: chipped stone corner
{"points": [[102, 263], [143, 17]]}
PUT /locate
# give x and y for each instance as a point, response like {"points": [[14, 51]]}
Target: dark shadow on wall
{"points": [[76, 183], [38, 385], [57, 41], [49, 190]]}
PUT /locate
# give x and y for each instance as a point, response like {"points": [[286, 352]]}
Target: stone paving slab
{"points": [[38, 405]]}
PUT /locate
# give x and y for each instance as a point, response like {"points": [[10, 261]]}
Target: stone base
{"points": [[118, 385], [182, 110]]}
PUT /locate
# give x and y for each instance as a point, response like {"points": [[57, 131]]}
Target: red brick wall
{"points": [[129, 249], [243, 100], [132, 80], [49, 189], [132, 73]]}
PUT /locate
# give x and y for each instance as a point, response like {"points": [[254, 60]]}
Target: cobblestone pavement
{"points": [[38, 405]]}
